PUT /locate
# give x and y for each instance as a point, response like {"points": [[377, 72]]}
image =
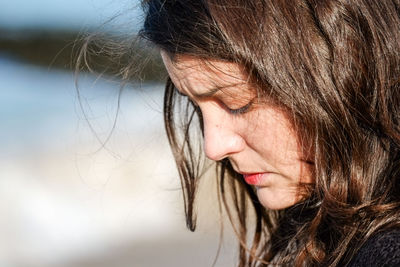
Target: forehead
{"points": [[190, 69]]}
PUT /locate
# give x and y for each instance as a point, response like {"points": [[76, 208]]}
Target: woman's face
{"points": [[256, 137]]}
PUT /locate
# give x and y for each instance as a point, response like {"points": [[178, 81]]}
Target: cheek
{"points": [[270, 134]]}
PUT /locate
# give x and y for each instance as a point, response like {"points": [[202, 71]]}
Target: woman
{"points": [[298, 103]]}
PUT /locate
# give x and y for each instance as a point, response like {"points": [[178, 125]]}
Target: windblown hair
{"points": [[334, 66]]}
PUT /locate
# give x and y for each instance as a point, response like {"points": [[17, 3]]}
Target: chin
{"points": [[276, 199]]}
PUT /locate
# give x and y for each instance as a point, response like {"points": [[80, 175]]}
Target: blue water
{"points": [[40, 110], [71, 14]]}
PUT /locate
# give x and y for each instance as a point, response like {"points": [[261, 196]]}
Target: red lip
{"points": [[252, 178]]}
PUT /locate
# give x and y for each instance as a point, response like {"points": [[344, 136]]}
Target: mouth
{"points": [[254, 178]]}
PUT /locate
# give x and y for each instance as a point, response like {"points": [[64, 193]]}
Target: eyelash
{"points": [[241, 110]]}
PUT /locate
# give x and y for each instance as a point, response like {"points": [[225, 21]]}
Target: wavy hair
{"points": [[334, 66]]}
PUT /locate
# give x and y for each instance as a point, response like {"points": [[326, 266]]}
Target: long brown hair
{"points": [[334, 66]]}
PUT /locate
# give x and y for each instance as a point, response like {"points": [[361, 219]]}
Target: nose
{"points": [[220, 139]]}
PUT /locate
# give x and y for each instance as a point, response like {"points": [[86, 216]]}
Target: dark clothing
{"points": [[381, 250]]}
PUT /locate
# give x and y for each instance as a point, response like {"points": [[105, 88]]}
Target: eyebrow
{"points": [[213, 91], [209, 93], [202, 95]]}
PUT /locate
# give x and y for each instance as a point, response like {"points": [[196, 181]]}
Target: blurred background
{"points": [[86, 175]]}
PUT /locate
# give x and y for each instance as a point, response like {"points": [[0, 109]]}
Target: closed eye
{"points": [[240, 110]]}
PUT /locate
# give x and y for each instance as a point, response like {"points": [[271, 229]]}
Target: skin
{"points": [[253, 134]]}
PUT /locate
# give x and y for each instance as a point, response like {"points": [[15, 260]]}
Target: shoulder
{"points": [[382, 249]]}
